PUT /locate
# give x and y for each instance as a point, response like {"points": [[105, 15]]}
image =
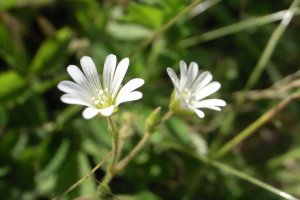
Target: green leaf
{"points": [[88, 187], [56, 162], [128, 31], [8, 50], [179, 130], [145, 195], [52, 53], [145, 15], [11, 85], [6, 4], [199, 143], [67, 176]]}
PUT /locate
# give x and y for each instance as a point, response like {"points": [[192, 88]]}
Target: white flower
{"points": [[191, 88], [104, 97]]}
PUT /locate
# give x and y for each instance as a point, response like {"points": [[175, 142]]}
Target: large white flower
{"points": [[191, 89], [101, 98]]}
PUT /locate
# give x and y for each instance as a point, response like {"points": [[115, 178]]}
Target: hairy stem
{"points": [[123, 163]]}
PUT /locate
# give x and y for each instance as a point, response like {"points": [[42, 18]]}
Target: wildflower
{"points": [[191, 89], [102, 98]]}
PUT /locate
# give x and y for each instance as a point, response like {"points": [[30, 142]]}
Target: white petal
{"points": [[201, 81], [72, 99], [193, 70], [183, 74], [119, 76], [109, 70], [184, 105], [132, 96], [107, 111], [214, 108], [79, 78], [131, 85], [71, 88], [199, 113], [173, 76], [207, 90], [191, 74], [89, 112], [209, 103], [90, 72]]}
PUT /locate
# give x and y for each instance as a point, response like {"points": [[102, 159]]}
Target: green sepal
{"points": [[153, 120]]}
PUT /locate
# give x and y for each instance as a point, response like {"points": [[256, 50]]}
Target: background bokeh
{"points": [[46, 146]]}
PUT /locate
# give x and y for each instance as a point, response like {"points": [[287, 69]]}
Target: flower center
{"points": [[101, 99], [188, 96]]}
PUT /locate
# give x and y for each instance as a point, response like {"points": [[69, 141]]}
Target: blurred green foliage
{"points": [[46, 146]]}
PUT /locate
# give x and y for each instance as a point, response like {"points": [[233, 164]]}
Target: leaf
{"points": [[6, 4], [52, 53], [88, 187], [8, 50], [128, 31], [199, 143], [67, 176], [145, 15], [56, 162], [97, 151], [145, 195], [179, 130], [11, 85]]}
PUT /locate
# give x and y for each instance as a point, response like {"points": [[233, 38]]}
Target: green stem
{"points": [[115, 142], [72, 187], [234, 28], [251, 179], [233, 172], [166, 116], [262, 62], [115, 145], [269, 49], [164, 27], [123, 163], [249, 130]]}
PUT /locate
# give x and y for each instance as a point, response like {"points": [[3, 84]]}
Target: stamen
{"points": [[100, 92]]}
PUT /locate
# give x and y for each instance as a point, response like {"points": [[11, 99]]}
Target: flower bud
{"points": [[153, 120]]}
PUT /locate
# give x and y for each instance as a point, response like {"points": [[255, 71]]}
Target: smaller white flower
{"points": [[191, 89], [101, 98]]}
